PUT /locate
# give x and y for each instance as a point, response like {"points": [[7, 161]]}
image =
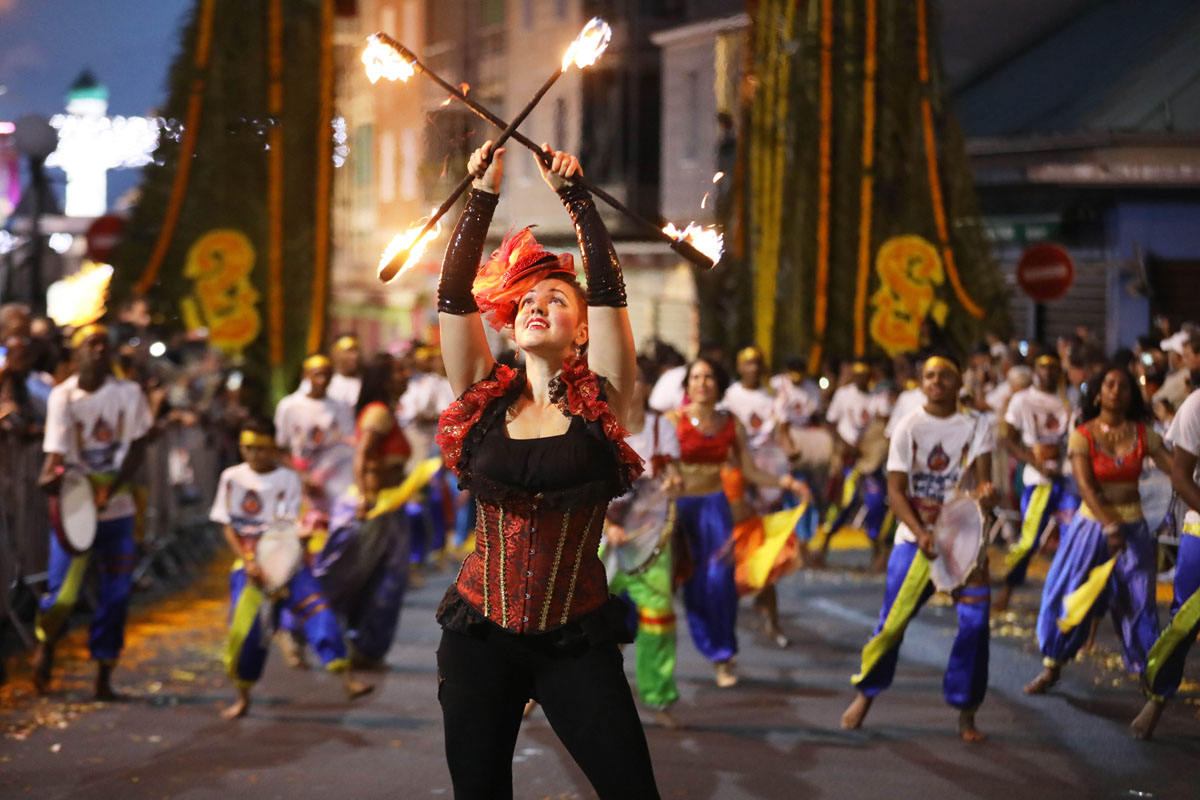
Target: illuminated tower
{"points": [[87, 175]]}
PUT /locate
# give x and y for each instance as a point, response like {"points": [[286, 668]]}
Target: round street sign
{"points": [[1045, 272], [103, 235]]}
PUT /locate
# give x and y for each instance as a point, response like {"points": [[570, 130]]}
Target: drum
{"points": [[648, 517], [76, 513], [815, 445], [872, 447], [333, 469], [958, 538], [1155, 489], [279, 554]]}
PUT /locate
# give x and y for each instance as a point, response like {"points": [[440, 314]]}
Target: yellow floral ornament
{"points": [[909, 270], [223, 301]]}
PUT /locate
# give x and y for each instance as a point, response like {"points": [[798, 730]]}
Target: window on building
{"points": [[443, 21], [492, 12], [410, 155], [527, 15], [560, 9], [387, 167]]}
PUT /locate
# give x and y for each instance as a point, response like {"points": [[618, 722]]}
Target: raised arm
{"points": [[465, 350], [611, 351]]}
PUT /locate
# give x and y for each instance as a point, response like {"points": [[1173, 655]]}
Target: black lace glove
{"points": [[605, 286], [464, 253]]}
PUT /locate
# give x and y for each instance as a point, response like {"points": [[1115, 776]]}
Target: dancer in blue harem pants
{"points": [[114, 556], [710, 594], [250, 629], [1038, 504], [1130, 592], [369, 592], [908, 587]]}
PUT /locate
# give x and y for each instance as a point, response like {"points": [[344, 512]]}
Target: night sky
{"points": [[128, 44]]}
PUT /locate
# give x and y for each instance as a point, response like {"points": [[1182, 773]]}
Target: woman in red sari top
{"points": [[542, 450]]}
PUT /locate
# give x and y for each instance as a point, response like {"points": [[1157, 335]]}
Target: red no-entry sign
{"points": [[103, 236], [1045, 272]]}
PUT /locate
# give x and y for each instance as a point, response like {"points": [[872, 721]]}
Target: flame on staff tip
{"points": [[463, 87], [708, 240], [407, 245], [717, 176], [81, 298], [383, 61], [588, 45]]}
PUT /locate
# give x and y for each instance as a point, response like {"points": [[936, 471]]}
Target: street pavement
{"points": [[775, 735]]}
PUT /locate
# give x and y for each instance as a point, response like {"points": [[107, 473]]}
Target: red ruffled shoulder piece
{"points": [[583, 398], [460, 416]]}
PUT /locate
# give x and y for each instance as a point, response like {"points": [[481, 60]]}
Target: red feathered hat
{"points": [[515, 267]]}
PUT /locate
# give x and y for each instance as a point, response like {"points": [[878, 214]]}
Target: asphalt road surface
{"points": [[775, 735]]}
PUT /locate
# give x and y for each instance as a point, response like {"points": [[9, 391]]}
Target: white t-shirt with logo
{"points": [[657, 437], [1042, 418], [1185, 433], [908, 401], [851, 411], [935, 452], [249, 501], [755, 409], [93, 431], [343, 388], [798, 406], [305, 426]]}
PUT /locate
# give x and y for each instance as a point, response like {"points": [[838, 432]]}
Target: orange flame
{"points": [[708, 240], [407, 242], [463, 87], [588, 45], [382, 61], [704, 200], [81, 298], [717, 176]]}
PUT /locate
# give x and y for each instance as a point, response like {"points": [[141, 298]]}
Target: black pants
{"points": [[483, 684]]}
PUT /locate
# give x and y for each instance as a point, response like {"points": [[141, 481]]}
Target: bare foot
{"points": [[1001, 603], [104, 689], [237, 710], [967, 729], [1046, 679], [43, 665], [1144, 723], [529, 707], [293, 651], [776, 635], [664, 718], [1090, 644], [726, 675], [356, 689], [856, 712]]}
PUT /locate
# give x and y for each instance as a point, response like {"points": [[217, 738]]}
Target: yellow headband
{"points": [[316, 362], [81, 335], [345, 343], [941, 361], [250, 439], [859, 367], [1046, 361], [749, 354], [431, 351]]}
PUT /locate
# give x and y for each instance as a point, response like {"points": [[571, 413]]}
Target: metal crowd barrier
{"points": [[178, 482]]}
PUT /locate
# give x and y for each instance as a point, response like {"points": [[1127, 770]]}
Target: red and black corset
{"points": [[535, 566]]}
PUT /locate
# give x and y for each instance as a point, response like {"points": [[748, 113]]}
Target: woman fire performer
{"points": [[543, 451], [710, 439], [1107, 452]]}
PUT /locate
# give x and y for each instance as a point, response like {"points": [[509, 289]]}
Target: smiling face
{"points": [[702, 385], [318, 380], [551, 319], [940, 382]]}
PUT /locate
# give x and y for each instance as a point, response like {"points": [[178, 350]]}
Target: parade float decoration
{"points": [[223, 300]]}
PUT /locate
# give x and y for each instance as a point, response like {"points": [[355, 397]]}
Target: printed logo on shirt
{"points": [[102, 432], [938, 459], [755, 421], [1051, 422], [251, 503]]}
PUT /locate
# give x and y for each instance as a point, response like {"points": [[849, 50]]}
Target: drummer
{"points": [[1035, 431], [250, 497], [308, 423], [852, 410], [97, 425], [931, 451]]}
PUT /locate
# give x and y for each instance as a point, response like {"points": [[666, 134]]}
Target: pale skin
{"points": [[1120, 439], [941, 385], [93, 358], [552, 323], [264, 458], [1183, 470]]}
